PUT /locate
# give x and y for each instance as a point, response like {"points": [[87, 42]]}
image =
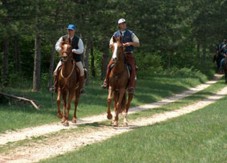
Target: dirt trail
{"points": [[12, 136], [59, 144]]}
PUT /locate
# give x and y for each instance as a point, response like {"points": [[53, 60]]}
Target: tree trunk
{"points": [[86, 58], [51, 68], [17, 66], [5, 62], [169, 60], [198, 51], [92, 61], [203, 58], [105, 59], [37, 63], [37, 55]]}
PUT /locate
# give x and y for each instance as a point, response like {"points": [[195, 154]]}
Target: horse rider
{"points": [[224, 55], [77, 50], [130, 40], [221, 53]]}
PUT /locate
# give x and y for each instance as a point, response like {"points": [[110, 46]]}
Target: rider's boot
{"points": [[81, 84]]}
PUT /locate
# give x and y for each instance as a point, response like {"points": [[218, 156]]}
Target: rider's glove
{"points": [[74, 50]]}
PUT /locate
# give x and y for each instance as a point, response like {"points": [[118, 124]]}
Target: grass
{"points": [[181, 103], [15, 115], [197, 137], [172, 106]]}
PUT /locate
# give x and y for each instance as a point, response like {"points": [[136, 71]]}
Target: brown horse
{"points": [[68, 84], [118, 81]]}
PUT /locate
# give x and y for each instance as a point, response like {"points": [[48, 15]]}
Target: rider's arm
{"points": [[80, 49], [135, 41], [111, 42], [58, 45]]}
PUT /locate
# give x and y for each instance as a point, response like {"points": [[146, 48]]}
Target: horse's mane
{"points": [[65, 42], [117, 39], [69, 47]]}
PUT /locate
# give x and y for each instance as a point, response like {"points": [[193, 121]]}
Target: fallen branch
{"points": [[21, 99]]}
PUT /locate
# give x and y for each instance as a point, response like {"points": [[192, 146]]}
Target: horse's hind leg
{"points": [[64, 120], [109, 100], [68, 106], [115, 117], [125, 114], [59, 113], [118, 97]]}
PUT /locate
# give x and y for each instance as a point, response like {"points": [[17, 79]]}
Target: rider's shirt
{"points": [[127, 36], [76, 43]]}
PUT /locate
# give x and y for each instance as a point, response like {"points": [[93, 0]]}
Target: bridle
{"points": [[65, 55]]}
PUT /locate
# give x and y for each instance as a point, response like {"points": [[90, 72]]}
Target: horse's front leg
{"points": [[64, 118], [77, 97], [59, 113], [68, 106], [109, 100], [119, 105]]}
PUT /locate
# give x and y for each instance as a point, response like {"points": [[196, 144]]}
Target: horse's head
{"points": [[117, 48], [66, 51]]}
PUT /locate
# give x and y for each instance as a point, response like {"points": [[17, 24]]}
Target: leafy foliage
{"points": [[172, 33]]}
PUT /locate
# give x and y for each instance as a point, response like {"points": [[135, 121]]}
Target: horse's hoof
{"points": [[125, 124], [74, 120], [59, 115], [109, 116], [63, 120], [66, 123], [115, 124]]}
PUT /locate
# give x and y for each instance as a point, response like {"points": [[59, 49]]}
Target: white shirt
{"points": [[134, 38], [80, 49]]}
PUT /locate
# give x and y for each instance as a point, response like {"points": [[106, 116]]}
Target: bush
{"points": [[148, 64], [186, 73]]}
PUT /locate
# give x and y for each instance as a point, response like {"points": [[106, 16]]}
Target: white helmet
{"points": [[122, 20]]}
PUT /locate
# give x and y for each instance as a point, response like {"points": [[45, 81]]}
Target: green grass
{"points": [[181, 103], [16, 115], [197, 137]]}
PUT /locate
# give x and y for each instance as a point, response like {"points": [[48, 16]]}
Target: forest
{"points": [[174, 34]]}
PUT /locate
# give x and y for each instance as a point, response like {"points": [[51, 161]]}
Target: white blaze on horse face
{"points": [[65, 46], [115, 51], [64, 50]]}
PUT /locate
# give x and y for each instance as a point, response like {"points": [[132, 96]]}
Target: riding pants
{"points": [[130, 59], [78, 64]]}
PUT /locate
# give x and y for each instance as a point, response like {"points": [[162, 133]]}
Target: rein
{"points": [[70, 72]]}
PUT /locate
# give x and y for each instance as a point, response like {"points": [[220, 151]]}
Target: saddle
{"points": [[77, 69], [129, 68]]}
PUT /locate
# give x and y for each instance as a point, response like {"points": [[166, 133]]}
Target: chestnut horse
{"points": [[68, 84], [118, 81]]}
